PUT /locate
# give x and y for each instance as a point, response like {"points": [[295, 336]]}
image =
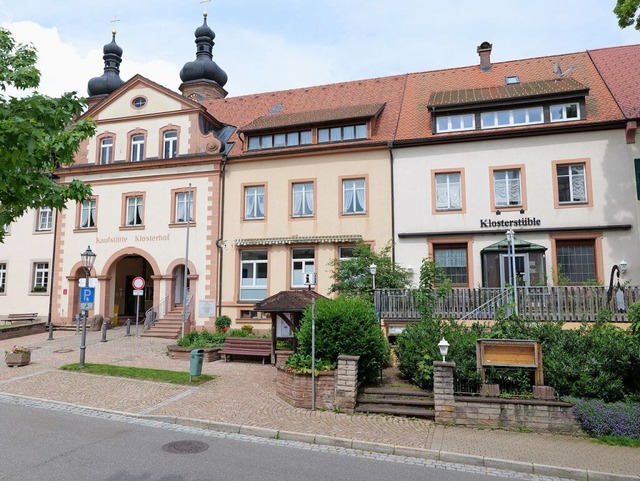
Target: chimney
{"points": [[484, 50]]}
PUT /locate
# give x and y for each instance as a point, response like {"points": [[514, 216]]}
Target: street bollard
{"points": [[50, 331], [104, 332], [128, 327], [77, 323]]}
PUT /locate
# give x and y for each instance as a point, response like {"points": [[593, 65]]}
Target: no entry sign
{"points": [[138, 283]]}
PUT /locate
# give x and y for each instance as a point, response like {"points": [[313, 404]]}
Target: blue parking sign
{"points": [[87, 295]]}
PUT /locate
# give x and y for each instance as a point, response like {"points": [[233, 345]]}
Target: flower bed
{"points": [[184, 353]]}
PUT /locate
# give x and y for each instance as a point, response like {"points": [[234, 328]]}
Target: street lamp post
{"points": [[373, 269], [511, 253], [88, 258]]}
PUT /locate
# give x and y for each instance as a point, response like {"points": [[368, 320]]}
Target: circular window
{"points": [[139, 102]]}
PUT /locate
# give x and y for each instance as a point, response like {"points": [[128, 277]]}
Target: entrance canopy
{"points": [[519, 244]]}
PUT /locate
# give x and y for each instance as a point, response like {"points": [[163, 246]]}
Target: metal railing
{"points": [[560, 303], [154, 313]]}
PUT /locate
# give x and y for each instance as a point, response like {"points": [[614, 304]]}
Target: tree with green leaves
{"points": [[38, 134], [627, 13], [352, 276]]}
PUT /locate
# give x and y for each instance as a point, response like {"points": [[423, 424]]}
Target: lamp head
{"points": [[623, 266], [88, 258], [443, 345], [373, 269]]}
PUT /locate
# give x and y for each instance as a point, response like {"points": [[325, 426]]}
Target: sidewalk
{"points": [[243, 399]]}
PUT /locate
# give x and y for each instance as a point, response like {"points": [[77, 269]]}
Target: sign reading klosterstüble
{"points": [[525, 222]]}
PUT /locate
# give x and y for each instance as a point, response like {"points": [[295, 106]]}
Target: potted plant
{"points": [[223, 323], [17, 356]]}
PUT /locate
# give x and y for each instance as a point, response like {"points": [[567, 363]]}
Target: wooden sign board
{"points": [[510, 353]]}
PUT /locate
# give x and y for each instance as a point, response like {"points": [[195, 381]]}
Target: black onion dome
{"points": [[203, 67], [110, 80]]}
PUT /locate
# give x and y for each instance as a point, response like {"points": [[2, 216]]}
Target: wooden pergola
{"points": [[288, 306]]}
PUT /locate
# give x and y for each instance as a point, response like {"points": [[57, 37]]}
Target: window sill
{"points": [[253, 219], [41, 232], [85, 229], [32, 293], [181, 224], [302, 217], [132, 227], [353, 213]]}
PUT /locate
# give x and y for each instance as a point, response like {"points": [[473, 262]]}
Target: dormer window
{"points": [[288, 139], [564, 112], [339, 134], [512, 80], [507, 118], [455, 123]]}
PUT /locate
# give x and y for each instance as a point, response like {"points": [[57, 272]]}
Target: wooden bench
{"points": [[246, 346], [31, 316]]}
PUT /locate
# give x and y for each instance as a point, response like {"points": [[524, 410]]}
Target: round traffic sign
{"points": [[138, 283]]}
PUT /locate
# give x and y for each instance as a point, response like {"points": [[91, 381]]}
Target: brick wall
{"points": [[537, 415], [334, 389]]}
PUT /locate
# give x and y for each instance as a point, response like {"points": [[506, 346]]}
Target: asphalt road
{"points": [[55, 443]]}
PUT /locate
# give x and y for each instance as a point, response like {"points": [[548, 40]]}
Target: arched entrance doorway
{"points": [[122, 274]]}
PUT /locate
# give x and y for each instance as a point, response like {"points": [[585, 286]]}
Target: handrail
{"points": [[502, 296], [155, 312]]}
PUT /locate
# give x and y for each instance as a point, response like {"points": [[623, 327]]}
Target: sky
{"points": [[267, 45]]}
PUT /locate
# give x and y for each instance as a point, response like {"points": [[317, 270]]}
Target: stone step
{"points": [[395, 401], [392, 392], [406, 411]]}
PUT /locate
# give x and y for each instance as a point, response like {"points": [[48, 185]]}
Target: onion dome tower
{"points": [[202, 79], [110, 80]]}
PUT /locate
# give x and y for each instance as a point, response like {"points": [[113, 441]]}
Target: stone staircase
{"points": [[169, 327], [395, 401]]}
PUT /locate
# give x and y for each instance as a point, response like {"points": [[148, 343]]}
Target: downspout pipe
{"points": [[393, 213], [220, 241]]}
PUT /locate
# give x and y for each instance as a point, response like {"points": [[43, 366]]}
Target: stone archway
{"points": [[175, 274]]}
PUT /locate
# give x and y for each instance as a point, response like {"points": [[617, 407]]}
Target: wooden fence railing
{"points": [[561, 303]]}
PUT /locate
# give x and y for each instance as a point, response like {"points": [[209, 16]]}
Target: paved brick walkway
{"points": [[244, 394]]}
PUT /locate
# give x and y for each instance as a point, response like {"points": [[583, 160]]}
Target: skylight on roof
{"points": [[512, 80]]}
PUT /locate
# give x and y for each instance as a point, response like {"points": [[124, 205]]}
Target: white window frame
{"points": [[3, 277], [302, 199], [512, 122], [170, 144], [40, 276], [137, 147], [354, 196], [449, 185], [509, 184], [342, 256], [135, 211], [563, 112], [253, 287], [343, 133], [106, 151], [301, 264], [573, 178], [461, 119], [254, 202], [88, 213], [45, 219], [184, 202]]}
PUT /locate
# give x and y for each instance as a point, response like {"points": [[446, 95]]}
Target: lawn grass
{"points": [[157, 375], [620, 441]]}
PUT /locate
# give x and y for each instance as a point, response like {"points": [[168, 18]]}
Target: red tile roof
{"points": [[415, 119], [242, 111], [406, 98], [620, 68]]}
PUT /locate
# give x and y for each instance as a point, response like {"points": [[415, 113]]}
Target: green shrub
{"points": [[346, 326], [599, 361], [248, 328], [633, 313], [223, 323], [301, 363], [202, 339]]}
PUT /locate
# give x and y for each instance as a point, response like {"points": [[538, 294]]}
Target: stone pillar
{"points": [[347, 383], [445, 404]]}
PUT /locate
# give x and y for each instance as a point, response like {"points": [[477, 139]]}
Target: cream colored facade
{"points": [[139, 225], [25, 261], [279, 233], [608, 220]]}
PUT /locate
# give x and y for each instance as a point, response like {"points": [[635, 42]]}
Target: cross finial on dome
{"points": [[113, 25], [204, 11]]}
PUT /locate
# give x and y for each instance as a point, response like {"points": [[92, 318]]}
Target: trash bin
{"points": [[195, 368]]}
